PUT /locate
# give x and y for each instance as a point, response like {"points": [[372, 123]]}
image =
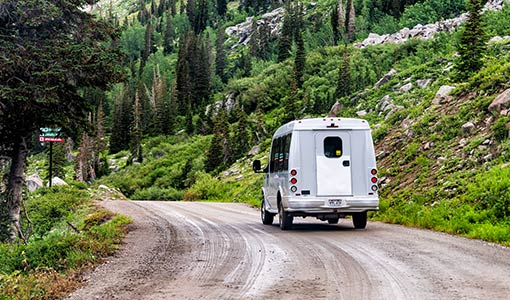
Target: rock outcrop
{"points": [[501, 103], [243, 31], [424, 31], [34, 182], [443, 94]]}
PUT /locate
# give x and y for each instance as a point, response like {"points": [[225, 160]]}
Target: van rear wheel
{"points": [[359, 220], [333, 221], [267, 217], [284, 218]]}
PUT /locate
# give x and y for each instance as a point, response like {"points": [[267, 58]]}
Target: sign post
{"points": [[51, 135]]}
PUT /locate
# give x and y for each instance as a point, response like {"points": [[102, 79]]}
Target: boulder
{"points": [[254, 151], [335, 109], [361, 113], [103, 187], [385, 78], [501, 102], [468, 128], [422, 83], [33, 183], [406, 88], [443, 94], [56, 181]]}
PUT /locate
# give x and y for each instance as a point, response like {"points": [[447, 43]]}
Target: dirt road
{"points": [[180, 250]]}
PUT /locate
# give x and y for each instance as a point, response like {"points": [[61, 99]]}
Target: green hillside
{"points": [[434, 173]]}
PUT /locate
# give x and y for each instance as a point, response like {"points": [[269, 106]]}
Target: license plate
{"points": [[335, 202]]}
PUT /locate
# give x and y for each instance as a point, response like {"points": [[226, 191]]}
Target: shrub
{"points": [[207, 188], [500, 128], [156, 193]]}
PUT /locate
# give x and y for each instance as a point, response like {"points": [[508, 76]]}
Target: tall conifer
{"points": [[473, 42]]}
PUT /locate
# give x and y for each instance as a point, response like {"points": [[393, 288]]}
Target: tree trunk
{"points": [[351, 21], [15, 185]]}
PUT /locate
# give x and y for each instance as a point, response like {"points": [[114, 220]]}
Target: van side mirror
{"points": [[257, 168]]}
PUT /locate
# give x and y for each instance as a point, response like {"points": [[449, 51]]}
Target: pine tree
{"points": [[136, 131], [201, 16], [153, 8], [201, 73], [472, 42], [58, 161], [344, 76], [285, 40], [160, 103], [183, 80], [291, 108], [334, 26], [299, 61], [119, 139], [222, 7], [190, 11], [149, 47], [162, 7], [220, 54], [173, 8], [219, 153], [241, 140], [351, 21], [168, 36]]}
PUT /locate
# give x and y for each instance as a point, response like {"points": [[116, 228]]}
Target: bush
{"points": [[207, 188], [50, 206], [156, 193], [500, 128]]}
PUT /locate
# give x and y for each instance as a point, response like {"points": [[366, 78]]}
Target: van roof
{"points": [[327, 123]]}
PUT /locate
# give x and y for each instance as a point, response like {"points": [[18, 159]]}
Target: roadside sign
{"points": [[52, 132], [50, 139]]}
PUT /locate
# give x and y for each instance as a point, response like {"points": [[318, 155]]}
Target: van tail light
{"points": [[373, 172], [293, 180], [374, 179], [374, 188], [293, 172]]}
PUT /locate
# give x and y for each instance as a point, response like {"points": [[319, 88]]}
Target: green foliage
{"points": [[157, 193], [472, 42], [50, 206], [208, 188], [45, 266], [501, 128], [165, 159]]}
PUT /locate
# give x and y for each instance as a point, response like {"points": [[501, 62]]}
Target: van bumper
{"points": [[322, 205]]}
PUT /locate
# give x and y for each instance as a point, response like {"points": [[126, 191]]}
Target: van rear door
{"points": [[333, 163]]}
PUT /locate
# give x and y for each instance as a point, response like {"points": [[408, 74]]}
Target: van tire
{"points": [[333, 221], [284, 219], [359, 220], [267, 217]]}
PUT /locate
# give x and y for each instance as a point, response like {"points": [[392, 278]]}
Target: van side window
{"points": [[333, 147], [281, 149], [275, 155], [286, 151]]}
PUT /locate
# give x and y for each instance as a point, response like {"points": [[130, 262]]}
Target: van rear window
{"points": [[332, 147]]}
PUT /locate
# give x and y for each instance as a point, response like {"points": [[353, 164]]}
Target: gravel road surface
{"points": [[190, 250]]}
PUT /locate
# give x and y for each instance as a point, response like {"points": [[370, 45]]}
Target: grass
{"points": [[70, 233]]}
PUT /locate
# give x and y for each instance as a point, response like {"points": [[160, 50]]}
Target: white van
{"points": [[323, 167]]}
